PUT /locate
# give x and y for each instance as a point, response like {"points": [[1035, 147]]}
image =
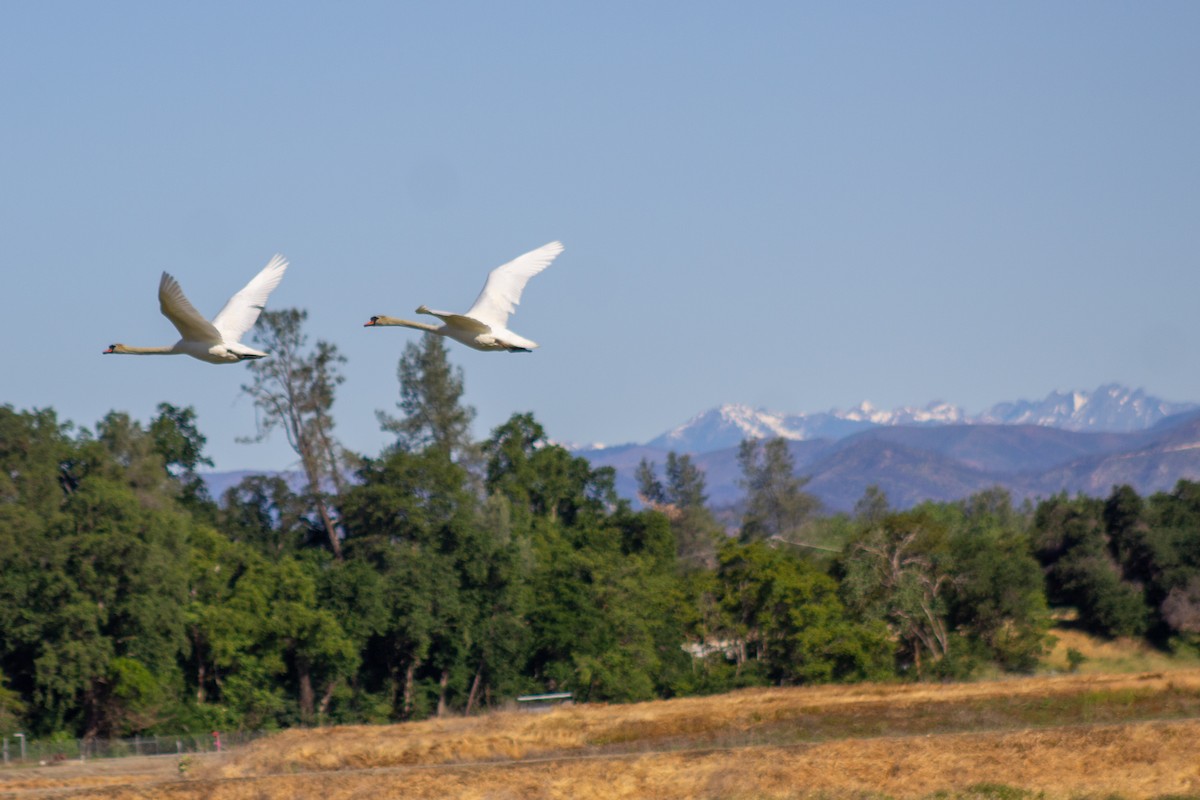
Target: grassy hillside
{"points": [[1084, 735], [1111, 656]]}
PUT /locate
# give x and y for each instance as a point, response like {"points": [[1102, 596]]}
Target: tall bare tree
{"points": [[294, 390], [899, 570]]}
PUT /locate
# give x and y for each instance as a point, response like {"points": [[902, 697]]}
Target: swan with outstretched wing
{"points": [[485, 325], [219, 341]]}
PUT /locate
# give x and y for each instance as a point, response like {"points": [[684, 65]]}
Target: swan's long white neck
{"points": [[404, 323], [129, 350]]}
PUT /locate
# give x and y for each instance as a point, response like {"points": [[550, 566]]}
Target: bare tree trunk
{"points": [[201, 668], [330, 529], [474, 693], [327, 698], [409, 685], [91, 704], [325, 460], [313, 475], [330, 448], [307, 696], [443, 683], [394, 671], [295, 390]]}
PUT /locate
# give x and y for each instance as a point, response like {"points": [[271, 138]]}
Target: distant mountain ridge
{"points": [[1068, 441], [1074, 442], [1109, 408]]}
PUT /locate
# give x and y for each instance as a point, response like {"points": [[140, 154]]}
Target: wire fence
{"points": [[14, 749]]}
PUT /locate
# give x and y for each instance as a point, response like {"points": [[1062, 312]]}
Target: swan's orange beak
{"points": [[109, 350], [369, 323]]}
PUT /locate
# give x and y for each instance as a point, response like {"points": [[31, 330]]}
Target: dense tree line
{"points": [[448, 575]]}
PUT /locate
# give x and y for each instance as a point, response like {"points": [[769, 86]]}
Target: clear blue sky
{"points": [[794, 205]]}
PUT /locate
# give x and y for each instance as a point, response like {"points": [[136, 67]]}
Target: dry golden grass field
{"points": [[1070, 736]]}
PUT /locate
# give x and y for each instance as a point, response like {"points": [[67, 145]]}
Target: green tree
{"points": [[686, 482], [603, 613], [181, 445], [787, 623], [997, 598], [263, 512], [12, 708], [132, 457], [94, 551], [776, 503], [650, 488], [899, 571], [539, 478], [1165, 555], [683, 498], [129, 560], [872, 507], [266, 649], [319, 653], [413, 517], [1072, 543], [603, 587], [36, 478], [431, 402]]}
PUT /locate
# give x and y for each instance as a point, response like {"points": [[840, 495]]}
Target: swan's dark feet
{"points": [[519, 350]]}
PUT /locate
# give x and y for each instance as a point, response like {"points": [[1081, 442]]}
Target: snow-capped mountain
{"points": [[935, 413], [1081, 441], [1110, 408], [727, 425]]}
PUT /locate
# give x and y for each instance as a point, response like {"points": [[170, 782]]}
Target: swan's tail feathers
{"points": [[241, 352], [517, 344]]}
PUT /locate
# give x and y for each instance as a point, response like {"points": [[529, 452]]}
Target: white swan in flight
{"points": [[219, 341], [484, 325]]}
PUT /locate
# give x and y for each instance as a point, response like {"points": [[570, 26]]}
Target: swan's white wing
{"points": [[183, 315], [242, 310], [502, 291], [461, 321]]}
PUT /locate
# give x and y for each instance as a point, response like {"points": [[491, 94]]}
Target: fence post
{"points": [[21, 736], [5, 749]]}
